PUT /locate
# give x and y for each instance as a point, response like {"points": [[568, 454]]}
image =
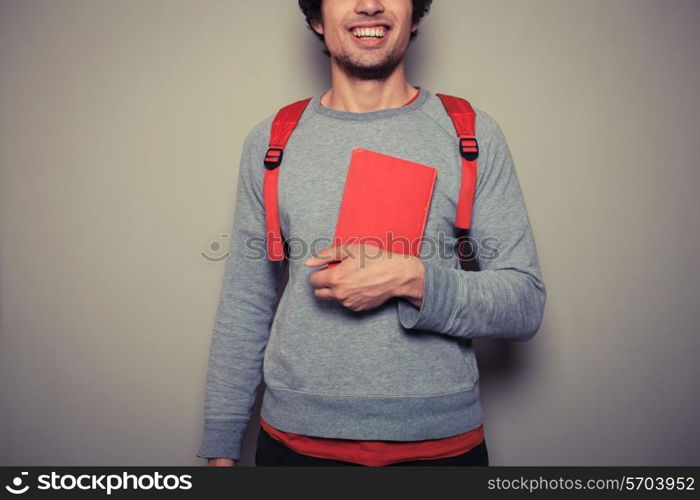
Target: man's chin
{"points": [[377, 71]]}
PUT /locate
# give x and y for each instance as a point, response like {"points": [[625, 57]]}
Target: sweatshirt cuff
{"points": [[222, 439], [441, 296]]}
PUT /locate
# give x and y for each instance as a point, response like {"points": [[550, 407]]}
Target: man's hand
{"points": [[221, 462], [367, 276]]}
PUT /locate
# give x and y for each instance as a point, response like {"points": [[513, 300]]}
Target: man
{"points": [[369, 362]]}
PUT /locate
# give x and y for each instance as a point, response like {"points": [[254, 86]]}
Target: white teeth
{"points": [[368, 32]]}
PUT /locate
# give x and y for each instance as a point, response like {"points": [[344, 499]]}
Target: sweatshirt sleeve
{"points": [[245, 312], [505, 298]]}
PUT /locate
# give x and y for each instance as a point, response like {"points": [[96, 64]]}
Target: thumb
{"points": [[325, 256]]}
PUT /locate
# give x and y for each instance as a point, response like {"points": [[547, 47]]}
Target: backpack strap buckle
{"points": [[273, 158], [468, 148]]}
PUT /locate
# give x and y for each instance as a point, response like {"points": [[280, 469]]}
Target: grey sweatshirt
{"points": [[395, 372]]}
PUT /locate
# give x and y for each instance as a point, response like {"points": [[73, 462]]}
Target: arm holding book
{"points": [[506, 297]]}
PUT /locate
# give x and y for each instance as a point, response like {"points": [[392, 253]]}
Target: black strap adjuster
{"points": [[468, 148], [273, 158]]}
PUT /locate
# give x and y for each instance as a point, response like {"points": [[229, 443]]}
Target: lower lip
{"points": [[378, 42]]}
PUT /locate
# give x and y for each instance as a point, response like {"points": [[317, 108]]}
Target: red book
{"points": [[385, 203]]}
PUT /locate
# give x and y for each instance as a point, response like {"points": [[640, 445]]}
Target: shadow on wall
{"points": [[317, 63]]}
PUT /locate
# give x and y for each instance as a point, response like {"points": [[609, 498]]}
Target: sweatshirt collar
{"points": [[316, 107]]}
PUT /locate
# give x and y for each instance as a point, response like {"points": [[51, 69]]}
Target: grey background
{"points": [[121, 127]]}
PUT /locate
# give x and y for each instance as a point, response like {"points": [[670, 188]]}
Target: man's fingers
{"points": [[335, 253], [323, 256], [320, 279], [323, 293]]}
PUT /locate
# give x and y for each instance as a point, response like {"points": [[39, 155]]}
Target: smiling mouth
{"points": [[369, 33]]}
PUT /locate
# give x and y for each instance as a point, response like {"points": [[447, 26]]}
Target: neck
{"points": [[362, 96]]}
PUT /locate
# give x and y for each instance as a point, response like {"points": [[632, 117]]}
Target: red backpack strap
{"points": [[282, 127], [464, 120]]}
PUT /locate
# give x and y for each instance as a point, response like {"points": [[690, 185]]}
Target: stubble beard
{"points": [[377, 71]]}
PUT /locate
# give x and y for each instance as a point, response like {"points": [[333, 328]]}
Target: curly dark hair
{"points": [[312, 11]]}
